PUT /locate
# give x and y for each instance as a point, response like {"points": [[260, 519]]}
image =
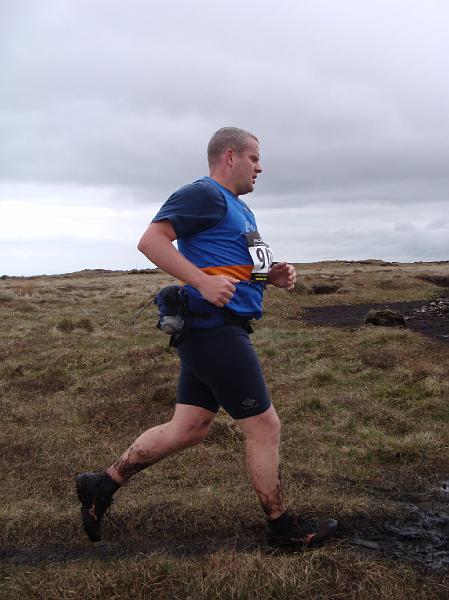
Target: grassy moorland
{"points": [[365, 417]]}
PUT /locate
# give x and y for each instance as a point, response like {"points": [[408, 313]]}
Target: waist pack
{"points": [[179, 312], [172, 302]]}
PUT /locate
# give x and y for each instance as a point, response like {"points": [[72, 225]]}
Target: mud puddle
{"points": [[418, 533], [420, 316]]}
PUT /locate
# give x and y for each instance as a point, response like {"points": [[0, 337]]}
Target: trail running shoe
{"points": [[292, 531], [95, 492]]}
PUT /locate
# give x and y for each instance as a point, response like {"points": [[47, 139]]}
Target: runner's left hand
{"points": [[282, 275]]}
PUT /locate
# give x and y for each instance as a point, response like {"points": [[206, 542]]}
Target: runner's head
{"points": [[233, 156]]}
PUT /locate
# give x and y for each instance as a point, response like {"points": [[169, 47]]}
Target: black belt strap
{"points": [[229, 318], [233, 319]]}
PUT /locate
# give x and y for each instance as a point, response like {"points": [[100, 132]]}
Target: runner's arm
{"points": [[157, 245]]}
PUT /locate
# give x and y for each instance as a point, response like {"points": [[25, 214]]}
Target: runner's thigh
{"points": [[225, 361]]}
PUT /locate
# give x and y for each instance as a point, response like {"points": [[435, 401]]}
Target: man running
{"points": [[225, 266]]}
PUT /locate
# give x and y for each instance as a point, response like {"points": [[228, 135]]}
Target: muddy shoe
{"points": [[95, 492], [290, 531]]}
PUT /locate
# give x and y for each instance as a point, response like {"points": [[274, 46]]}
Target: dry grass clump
{"points": [[85, 324], [396, 282], [6, 296], [51, 379], [69, 325], [65, 325], [321, 373], [379, 358], [27, 289]]}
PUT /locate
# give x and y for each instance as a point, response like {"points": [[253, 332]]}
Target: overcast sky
{"points": [[107, 106]]}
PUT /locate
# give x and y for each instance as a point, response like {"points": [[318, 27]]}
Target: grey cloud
{"points": [[343, 96]]}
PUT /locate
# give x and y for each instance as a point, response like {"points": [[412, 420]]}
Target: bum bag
{"points": [[179, 312]]}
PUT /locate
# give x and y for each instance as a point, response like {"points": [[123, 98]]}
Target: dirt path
{"points": [[430, 322]]}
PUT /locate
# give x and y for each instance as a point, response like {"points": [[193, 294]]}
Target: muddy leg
{"points": [[189, 426], [262, 434]]}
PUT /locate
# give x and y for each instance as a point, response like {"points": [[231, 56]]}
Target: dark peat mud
{"points": [[418, 532], [428, 318]]}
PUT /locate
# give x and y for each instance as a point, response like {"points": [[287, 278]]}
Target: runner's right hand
{"points": [[218, 289]]}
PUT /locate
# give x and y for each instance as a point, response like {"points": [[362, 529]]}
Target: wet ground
{"points": [[416, 531], [421, 316]]}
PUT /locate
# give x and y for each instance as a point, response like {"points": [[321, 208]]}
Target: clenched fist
{"points": [[218, 289]]}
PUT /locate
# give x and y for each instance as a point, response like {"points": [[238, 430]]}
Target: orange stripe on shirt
{"points": [[242, 272]]}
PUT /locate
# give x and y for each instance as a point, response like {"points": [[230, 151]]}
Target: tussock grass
{"points": [[372, 283], [368, 406], [225, 576]]}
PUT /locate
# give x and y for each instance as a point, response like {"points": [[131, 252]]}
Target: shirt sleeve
{"points": [[193, 208]]}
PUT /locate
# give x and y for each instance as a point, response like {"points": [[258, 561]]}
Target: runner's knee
{"points": [[264, 428], [272, 429]]}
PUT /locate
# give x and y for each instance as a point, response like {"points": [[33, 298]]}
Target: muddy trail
{"points": [[428, 318], [108, 550], [416, 532]]}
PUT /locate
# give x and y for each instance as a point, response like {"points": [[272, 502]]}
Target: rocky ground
{"points": [[432, 319]]}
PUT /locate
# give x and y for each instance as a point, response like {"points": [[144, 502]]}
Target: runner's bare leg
{"points": [[262, 434], [189, 426]]}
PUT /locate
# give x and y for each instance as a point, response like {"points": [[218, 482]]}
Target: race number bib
{"points": [[261, 255]]}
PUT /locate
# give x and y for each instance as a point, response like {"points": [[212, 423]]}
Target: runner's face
{"points": [[246, 167]]}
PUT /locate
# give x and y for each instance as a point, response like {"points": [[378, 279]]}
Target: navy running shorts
{"points": [[219, 367]]}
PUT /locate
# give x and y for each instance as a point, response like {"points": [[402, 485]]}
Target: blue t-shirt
{"points": [[214, 229], [193, 208]]}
